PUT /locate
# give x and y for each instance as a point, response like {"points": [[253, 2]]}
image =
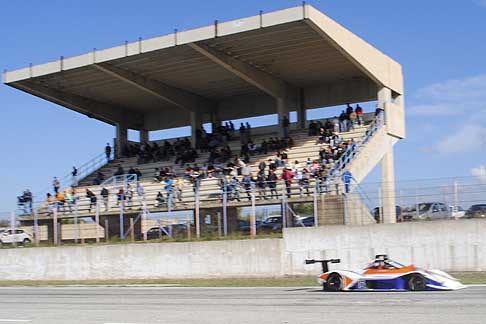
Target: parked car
{"points": [[398, 214], [156, 232], [15, 236], [427, 211], [271, 224], [244, 225], [308, 221], [476, 211], [457, 211]]}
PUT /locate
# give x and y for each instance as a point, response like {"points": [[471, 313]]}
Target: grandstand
{"points": [[286, 61]]}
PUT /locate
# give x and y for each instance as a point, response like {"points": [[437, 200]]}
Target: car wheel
{"points": [[416, 282], [334, 283], [25, 241]]}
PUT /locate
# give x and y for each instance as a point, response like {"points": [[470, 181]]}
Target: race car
{"points": [[383, 274]]}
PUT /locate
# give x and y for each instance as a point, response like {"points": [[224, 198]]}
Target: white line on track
{"points": [[2, 320]]}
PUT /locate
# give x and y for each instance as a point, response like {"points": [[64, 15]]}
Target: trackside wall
{"points": [[257, 258], [447, 245]]}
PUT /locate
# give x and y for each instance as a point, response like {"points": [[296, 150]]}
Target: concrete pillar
{"points": [[121, 139], [281, 112], [301, 111], [195, 124], [388, 187], [384, 97], [144, 136], [215, 120]]}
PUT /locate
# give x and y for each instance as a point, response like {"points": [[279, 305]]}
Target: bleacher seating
{"points": [[304, 147]]}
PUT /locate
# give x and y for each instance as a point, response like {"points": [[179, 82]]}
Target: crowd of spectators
{"points": [[231, 169]]}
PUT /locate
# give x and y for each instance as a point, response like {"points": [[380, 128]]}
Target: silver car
{"points": [[427, 211]]}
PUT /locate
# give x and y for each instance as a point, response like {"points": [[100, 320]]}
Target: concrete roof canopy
{"points": [[232, 69]]}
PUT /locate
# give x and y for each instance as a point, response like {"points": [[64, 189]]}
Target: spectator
{"points": [[51, 204], [343, 122], [261, 185], [60, 200], [159, 200], [27, 198], [120, 197], [69, 199], [359, 114], [179, 187], [129, 194], [108, 152], [56, 184], [379, 114], [347, 177], [74, 175], [92, 198], [98, 179], [120, 171], [105, 195], [287, 176], [141, 194], [272, 184], [169, 184], [353, 117]]}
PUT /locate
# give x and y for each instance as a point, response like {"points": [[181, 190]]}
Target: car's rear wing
{"points": [[325, 267]]}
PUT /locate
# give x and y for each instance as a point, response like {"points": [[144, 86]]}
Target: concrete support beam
{"points": [[144, 136], [301, 111], [282, 112], [387, 166], [384, 97], [107, 113], [180, 98], [196, 122], [388, 187], [121, 139], [262, 80]]}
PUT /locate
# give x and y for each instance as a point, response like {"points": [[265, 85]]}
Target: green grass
{"points": [[291, 281]]}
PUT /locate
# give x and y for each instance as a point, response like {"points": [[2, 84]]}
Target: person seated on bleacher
{"points": [[159, 200], [132, 171], [98, 179], [68, 196], [60, 201], [252, 149], [157, 175], [51, 204], [120, 171]]}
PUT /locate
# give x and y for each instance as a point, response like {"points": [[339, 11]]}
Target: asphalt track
{"points": [[147, 305]]}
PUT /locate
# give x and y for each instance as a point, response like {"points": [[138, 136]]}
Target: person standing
{"points": [[74, 175], [105, 194], [141, 194], [347, 177], [108, 152], [92, 199], [56, 184]]}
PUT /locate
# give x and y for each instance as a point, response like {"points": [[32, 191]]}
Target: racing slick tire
{"points": [[334, 283], [416, 282]]}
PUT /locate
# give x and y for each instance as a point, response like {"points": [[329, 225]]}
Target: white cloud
{"points": [[466, 138], [480, 173], [451, 98], [462, 102]]}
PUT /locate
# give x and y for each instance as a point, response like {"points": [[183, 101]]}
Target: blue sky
{"points": [[439, 43]]}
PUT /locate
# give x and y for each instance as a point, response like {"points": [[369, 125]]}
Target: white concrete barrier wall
{"points": [[447, 245], [242, 258]]}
